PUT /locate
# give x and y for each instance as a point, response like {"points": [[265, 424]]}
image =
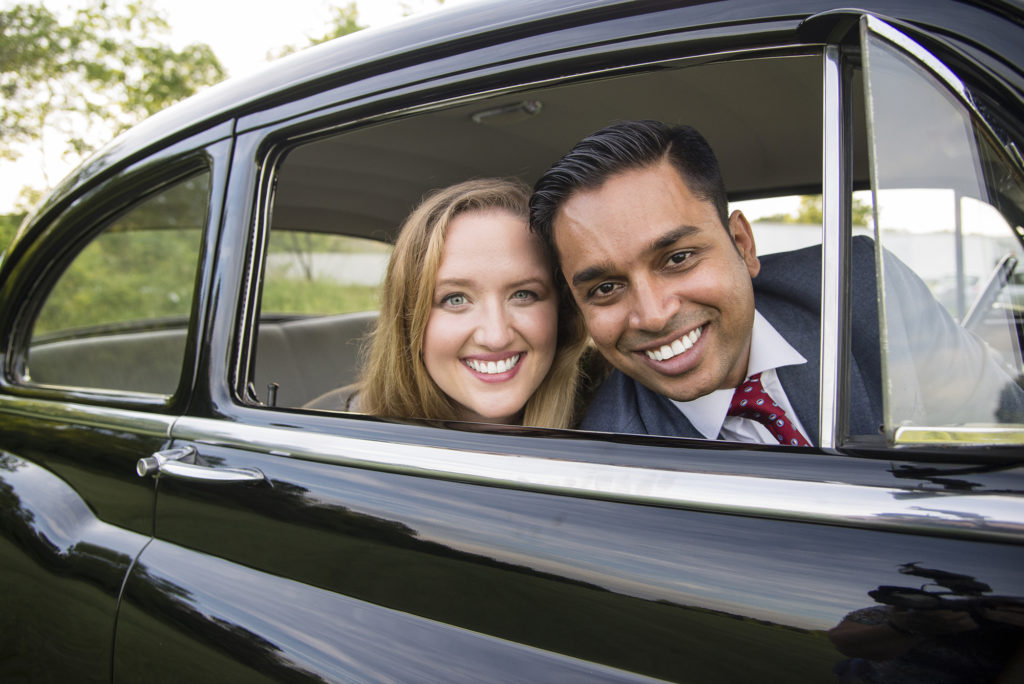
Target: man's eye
{"points": [[603, 290], [678, 258], [454, 299]]}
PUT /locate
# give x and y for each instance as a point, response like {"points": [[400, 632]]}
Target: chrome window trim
{"points": [[959, 436], [996, 517], [834, 257], [135, 422]]}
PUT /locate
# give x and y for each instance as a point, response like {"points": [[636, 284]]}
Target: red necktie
{"points": [[751, 401]]}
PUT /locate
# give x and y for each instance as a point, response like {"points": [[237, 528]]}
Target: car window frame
{"points": [[62, 238]]}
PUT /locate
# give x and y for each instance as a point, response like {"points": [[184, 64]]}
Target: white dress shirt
{"points": [[768, 351]]}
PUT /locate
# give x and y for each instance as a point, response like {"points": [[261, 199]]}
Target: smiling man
{"points": [[707, 340]]}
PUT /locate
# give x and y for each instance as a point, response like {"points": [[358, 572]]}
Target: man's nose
{"points": [[494, 329], [652, 306]]}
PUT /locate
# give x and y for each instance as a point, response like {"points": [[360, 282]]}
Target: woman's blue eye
{"points": [[523, 295], [454, 299]]}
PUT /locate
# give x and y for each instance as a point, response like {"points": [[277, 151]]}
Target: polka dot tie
{"points": [[751, 401]]}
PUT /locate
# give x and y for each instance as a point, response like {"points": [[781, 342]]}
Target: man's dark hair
{"points": [[621, 147]]}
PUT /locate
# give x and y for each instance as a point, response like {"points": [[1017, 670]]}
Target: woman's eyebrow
{"points": [[453, 282]]}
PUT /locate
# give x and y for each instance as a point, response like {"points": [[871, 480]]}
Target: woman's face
{"points": [[493, 324]]}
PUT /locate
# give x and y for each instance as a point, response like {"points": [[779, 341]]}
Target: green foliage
{"points": [[136, 276], [86, 75], [141, 268], [809, 212], [8, 227], [318, 296], [344, 22]]}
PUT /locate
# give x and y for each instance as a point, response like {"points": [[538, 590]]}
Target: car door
{"points": [[302, 545], [100, 306]]}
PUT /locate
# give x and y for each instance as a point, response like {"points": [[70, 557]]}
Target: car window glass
{"points": [[948, 214], [320, 299], [311, 273], [790, 222], [117, 318]]}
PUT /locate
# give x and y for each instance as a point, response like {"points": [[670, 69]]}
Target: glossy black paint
{"points": [[667, 593], [335, 573]]}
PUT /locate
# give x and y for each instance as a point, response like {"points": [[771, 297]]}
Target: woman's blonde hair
{"points": [[395, 382]]}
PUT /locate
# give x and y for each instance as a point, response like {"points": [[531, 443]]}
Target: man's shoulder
{"points": [[805, 259], [614, 406], [624, 405]]}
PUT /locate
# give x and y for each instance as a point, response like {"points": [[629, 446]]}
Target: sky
{"points": [[241, 39]]}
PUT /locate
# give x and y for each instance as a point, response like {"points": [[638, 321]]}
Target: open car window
{"points": [[363, 182]]}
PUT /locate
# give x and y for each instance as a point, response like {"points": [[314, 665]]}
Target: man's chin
{"points": [[673, 388]]}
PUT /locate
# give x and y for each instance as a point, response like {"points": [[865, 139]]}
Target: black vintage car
{"points": [[173, 511]]}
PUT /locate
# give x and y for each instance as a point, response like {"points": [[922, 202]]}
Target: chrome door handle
{"points": [[184, 463]]}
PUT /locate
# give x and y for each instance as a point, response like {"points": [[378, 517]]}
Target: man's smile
{"points": [[676, 347]]}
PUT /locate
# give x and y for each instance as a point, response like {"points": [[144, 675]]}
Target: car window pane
{"points": [[118, 316], [947, 209], [319, 301], [319, 274]]}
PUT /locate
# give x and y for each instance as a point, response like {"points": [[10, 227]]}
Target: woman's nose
{"points": [[494, 329]]}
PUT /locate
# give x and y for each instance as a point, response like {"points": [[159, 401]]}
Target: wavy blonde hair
{"points": [[395, 382]]}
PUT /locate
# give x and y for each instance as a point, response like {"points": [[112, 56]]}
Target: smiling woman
{"points": [[469, 325]]}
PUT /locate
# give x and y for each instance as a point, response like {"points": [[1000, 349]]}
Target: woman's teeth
{"points": [[492, 367], [683, 344]]}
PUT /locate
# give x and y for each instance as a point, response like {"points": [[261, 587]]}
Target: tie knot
{"points": [[750, 400]]}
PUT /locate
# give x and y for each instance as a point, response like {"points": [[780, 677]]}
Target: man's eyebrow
{"points": [[591, 273], [671, 237], [598, 271]]}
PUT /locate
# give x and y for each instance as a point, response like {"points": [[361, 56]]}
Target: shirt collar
{"points": [[768, 350]]}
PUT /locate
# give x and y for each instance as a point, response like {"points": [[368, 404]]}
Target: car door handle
{"points": [[185, 463]]}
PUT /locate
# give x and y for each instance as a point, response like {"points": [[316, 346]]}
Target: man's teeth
{"points": [[492, 367], [677, 347]]}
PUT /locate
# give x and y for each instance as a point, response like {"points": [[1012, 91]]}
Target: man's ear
{"points": [[743, 238]]}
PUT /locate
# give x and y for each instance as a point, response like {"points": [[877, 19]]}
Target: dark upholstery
{"points": [[305, 357]]}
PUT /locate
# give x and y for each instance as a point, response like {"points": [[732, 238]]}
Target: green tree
{"points": [[8, 227], [84, 76], [809, 212]]}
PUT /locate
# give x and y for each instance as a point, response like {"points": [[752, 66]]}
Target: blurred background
{"points": [[75, 73]]}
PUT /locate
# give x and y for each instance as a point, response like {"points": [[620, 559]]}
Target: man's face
{"points": [[664, 289]]}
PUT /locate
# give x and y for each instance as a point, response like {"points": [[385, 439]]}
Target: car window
{"points": [[363, 182], [117, 317], [947, 210]]}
